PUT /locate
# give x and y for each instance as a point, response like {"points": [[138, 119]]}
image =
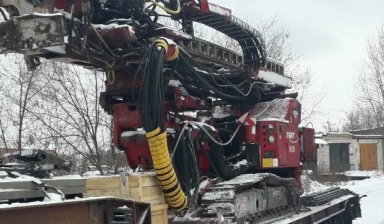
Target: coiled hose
{"points": [[164, 170], [152, 115]]}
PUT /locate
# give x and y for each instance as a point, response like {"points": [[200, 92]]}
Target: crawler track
{"points": [[246, 198], [266, 198]]}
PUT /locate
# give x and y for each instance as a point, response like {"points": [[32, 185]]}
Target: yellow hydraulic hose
{"points": [[164, 170], [169, 11], [162, 162]]}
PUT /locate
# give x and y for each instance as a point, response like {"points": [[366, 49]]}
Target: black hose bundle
{"points": [[233, 86], [184, 159], [151, 100], [151, 109]]}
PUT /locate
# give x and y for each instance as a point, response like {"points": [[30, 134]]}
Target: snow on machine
{"points": [[188, 109]]}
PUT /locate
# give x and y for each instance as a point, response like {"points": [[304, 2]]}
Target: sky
{"points": [[329, 35]]}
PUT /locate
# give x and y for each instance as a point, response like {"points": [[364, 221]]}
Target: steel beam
{"points": [[82, 211]]}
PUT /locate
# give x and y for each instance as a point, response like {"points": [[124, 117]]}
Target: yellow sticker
{"points": [[267, 163]]}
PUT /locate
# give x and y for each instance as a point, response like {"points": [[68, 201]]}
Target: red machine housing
{"points": [[271, 126]]}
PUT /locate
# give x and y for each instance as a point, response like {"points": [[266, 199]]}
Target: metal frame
{"points": [[82, 211]]}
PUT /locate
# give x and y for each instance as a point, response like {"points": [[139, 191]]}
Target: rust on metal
{"points": [[84, 211]]}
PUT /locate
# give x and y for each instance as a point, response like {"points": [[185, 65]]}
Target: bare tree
{"points": [[359, 118], [72, 115], [331, 126], [20, 88], [277, 44], [369, 86]]}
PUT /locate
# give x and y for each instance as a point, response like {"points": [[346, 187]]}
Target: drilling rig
{"points": [[187, 108]]}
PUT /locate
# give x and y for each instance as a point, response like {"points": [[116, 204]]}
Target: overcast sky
{"points": [[330, 35]]}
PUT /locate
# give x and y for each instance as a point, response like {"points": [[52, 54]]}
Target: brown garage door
{"points": [[368, 156]]}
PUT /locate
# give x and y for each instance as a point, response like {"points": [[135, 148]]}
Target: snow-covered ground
{"points": [[372, 205], [373, 188]]}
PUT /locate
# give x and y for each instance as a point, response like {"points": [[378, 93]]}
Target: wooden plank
{"points": [[159, 207], [147, 180], [159, 217], [103, 192], [27, 194], [142, 187], [62, 183], [104, 183], [145, 192]]}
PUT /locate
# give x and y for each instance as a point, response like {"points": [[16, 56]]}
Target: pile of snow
{"points": [[311, 186], [53, 197], [20, 178], [76, 176], [92, 173], [243, 162]]}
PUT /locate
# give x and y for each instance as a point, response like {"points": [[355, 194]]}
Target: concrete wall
{"points": [[354, 153], [323, 159]]}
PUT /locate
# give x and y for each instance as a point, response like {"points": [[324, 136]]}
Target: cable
{"points": [[178, 140], [192, 79], [209, 71], [214, 140], [169, 11]]}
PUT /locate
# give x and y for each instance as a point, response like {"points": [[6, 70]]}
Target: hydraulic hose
{"points": [[164, 170], [152, 115]]}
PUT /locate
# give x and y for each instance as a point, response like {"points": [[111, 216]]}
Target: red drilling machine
{"points": [[216, 125]]}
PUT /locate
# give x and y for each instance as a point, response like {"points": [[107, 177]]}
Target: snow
{"points": [[19, 178], [113, 26], [61, 49], [169, 41], [67, 177], [275, 78], [9, 189], [27, 152], [132, 133], [357, 173], [245, 178], [42, 14], [243, 162], [272, 110], [40, 203], [202, 185], [320, 141], [311, 186], [221, 112], [53, 197], [174, 83], [91, 173], [371, 206], [219, 10], [373, 188]]}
